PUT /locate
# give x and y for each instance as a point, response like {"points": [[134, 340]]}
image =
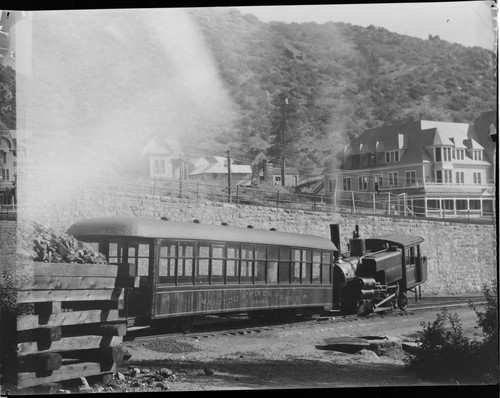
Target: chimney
{"points": [[335, 238]]}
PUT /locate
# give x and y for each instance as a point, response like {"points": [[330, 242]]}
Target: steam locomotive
{"points": [[376, 272]]}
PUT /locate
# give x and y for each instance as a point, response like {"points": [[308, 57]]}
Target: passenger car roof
{"points": [[92, 228]]}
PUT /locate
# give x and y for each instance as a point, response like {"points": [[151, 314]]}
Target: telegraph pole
{"points": [[181, 166], [283, 146], [228, 176]]}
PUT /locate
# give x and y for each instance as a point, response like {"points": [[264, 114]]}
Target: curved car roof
{"points": [[399, 239], [153, 228]]}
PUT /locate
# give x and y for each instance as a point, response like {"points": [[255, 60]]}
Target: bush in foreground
{"points": [[446, 354]]}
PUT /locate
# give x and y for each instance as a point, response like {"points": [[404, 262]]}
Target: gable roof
{"points": [[158, 145]]}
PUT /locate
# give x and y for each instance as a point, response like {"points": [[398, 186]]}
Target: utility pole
{"points": [[181, 167], [228, 176], [283, 146]]}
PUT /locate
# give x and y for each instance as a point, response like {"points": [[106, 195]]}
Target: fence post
{"points": [[278, 200], [388, 203], [374, 207], [353, 203]]}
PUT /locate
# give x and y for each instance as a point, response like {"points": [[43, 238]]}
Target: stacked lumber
{"points": [[74, 329]]}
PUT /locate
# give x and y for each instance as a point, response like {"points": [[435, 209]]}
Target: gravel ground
{"points": [[281, 358]]}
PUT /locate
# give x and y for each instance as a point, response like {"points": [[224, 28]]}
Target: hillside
{"points": [[339, 79], [216, 79]]}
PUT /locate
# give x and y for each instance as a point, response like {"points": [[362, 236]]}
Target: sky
{"points": [[471, 23]]}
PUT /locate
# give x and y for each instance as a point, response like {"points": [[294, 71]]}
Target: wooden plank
{"points": [[69, 344], [50, 307], [44, 389], [95, 305], [65, 372], [70, 282], [66, 269], [46, 361], [33, 296], [50, 333], [66, 318], [112, 329], [104, 355]]}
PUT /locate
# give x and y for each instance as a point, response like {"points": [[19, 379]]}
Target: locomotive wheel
{"points": [[186, 324], [402, 302], [365, 308]]}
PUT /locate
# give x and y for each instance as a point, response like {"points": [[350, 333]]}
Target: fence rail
{"points": [[369, 203]]}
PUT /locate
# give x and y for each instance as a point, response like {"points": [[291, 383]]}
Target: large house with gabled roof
{"points": [[439, 166]]}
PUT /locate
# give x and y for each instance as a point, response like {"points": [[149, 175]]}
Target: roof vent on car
{"points": [[196, 221]]}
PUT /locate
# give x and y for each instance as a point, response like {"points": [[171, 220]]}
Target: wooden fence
{"points": [[73, 327]]}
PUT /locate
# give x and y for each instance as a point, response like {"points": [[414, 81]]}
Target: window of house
{"points": [[396, 156], [363, 183], [437, 156], [393, 179], [5, 174], [388, 157], [447, 176], [448, 204], [475, 204], [411, 177], [346, 183], [331, 185], [433, 204], [459, 177], [447, 154], [476, 177], [458, 154], [461, 204], [4, 157], [277, 179], [159, 166], [439, 176]]}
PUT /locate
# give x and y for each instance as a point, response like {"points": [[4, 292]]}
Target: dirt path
{"points": [[285, 357]]}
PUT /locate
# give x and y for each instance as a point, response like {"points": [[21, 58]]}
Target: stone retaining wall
{"points": [[461, 257]]}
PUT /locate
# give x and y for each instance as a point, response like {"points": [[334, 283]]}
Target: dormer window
{"points": [[392, 155], [442, 154], [477, 155], [458, 154]]}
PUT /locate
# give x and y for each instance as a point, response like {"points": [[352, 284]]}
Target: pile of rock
{"points": [[44, 244]]}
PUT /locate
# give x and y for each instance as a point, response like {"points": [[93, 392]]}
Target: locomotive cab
{"points": [[412, 266]]}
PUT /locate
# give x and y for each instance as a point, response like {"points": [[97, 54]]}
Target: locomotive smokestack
{"points": [[335, 238]]}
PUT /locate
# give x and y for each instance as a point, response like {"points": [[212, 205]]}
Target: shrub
{"points": [[446, 354]]}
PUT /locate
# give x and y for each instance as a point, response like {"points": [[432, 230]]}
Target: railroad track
{"points": [[208, 327]]}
